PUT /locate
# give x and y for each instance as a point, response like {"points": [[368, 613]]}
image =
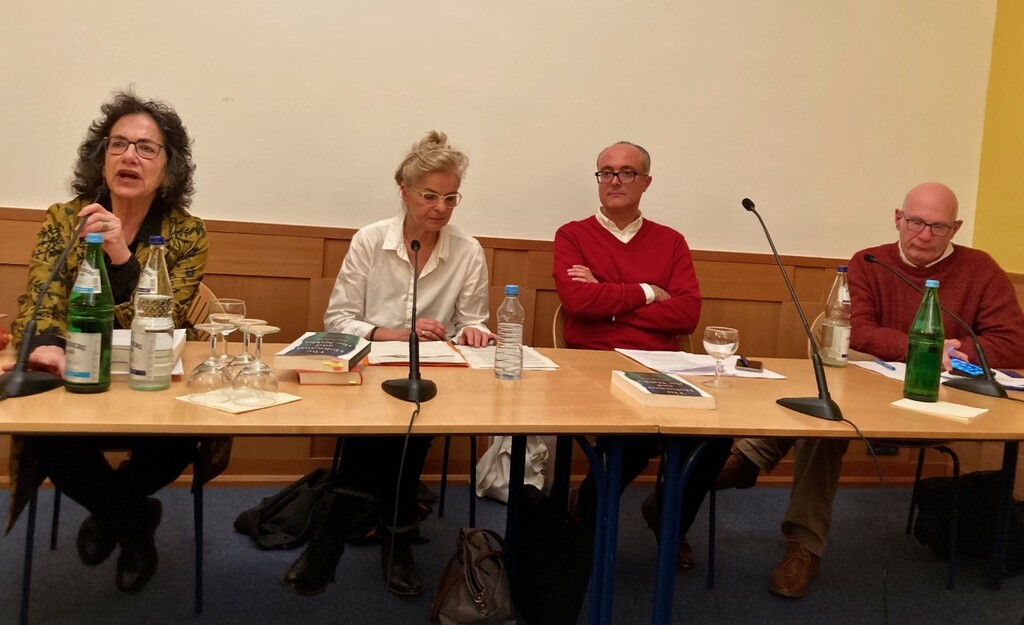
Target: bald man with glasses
{"points": [[971, 285]]}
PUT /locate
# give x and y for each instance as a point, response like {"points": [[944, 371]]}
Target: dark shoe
{"points": [[403, 578], [794, 574], [138, 560], [738, 472], [310, 574], [95, 541], [684, 554]]}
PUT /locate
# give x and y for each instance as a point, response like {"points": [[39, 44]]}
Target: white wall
{"points": [[823, 112]]}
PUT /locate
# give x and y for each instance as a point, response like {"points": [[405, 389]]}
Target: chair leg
{"points": [[913, 493], [26, 574], [711, 538], [336, 460], [444, 476], [55, 522], [197, 513], [472, 481]]}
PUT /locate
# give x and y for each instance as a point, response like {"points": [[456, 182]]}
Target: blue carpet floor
{"points": [[242, 583]]}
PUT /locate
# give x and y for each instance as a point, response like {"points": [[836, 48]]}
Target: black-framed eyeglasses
{"points": [[625, 177], [143, 147], [917, 225], [451, 200]]}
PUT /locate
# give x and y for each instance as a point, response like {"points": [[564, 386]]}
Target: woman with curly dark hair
{"points": [[133, 179]]}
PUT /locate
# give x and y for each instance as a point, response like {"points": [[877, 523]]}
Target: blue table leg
{"points": [[676, 477], [606, 472]]}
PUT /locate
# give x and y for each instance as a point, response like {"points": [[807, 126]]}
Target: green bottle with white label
{"points": [[90, 323]]}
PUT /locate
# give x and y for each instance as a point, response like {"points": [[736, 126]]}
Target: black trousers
{"points": [[637, 452], [76, 465], [369, 468]]}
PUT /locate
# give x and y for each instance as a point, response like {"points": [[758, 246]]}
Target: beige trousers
{"points": [[816, 471]]}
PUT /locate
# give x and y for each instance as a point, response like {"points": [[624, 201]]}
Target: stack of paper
{"points": [[483, 358], [692, 364], [431, 353]]}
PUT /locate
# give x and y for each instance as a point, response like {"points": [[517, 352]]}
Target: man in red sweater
{"points": [[971, 285], [625, 281]]}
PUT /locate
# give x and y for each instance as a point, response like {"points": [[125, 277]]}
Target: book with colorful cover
{"points": [[323, 351], [661, 389]]}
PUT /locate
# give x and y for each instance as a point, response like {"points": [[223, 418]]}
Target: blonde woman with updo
{"points": [[372, 298]]}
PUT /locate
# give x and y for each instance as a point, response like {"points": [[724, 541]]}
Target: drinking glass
{"points": [[720, 343], [245, 358], [225, 311], [256, 384], [209, 382]]}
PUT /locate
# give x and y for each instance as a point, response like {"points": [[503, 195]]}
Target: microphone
{"points": [[21, 381], [985, 385], [821, 406], [413, 388]]}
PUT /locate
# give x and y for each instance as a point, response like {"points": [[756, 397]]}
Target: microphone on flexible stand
{"points": [[821, 406], [985, 385], [413, 388], [21, 381]]}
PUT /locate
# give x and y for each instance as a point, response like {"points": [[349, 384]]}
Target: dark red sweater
{"points": [[971, 285], [614, 312]]}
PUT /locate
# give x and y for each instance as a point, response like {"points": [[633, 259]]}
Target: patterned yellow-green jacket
{"points": [[186, 250]]}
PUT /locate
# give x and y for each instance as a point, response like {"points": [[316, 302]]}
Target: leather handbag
{"points": [[474, 585]]}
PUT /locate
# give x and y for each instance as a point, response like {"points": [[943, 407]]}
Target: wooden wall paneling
{"points": [[283, 302], [19, 239], [320, 290], [13, 279], [809, 282], [546, 305], [757, 322], [747, 281], [792, 339], [265, 255], [510, 267], [334, 253], [539, 265]]}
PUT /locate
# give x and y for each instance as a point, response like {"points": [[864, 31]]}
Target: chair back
{"points": [[557, 328], [685, 343], [200, 309]]}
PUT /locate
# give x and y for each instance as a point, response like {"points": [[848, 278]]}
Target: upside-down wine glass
{"points": [[240, 361], [226, 310], [256, 384], [720, 343], [209, 382]]}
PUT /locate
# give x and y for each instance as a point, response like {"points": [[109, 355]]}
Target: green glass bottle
{"points": [[90, 323], [924, 352]]}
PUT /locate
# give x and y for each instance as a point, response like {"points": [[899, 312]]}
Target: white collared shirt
{"points": [[374, 286], [626, 235], [945, 254]]}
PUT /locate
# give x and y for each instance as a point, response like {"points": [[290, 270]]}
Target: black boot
{"points": [[315, 568], [138, 560], [96, 541], [400, 572]]}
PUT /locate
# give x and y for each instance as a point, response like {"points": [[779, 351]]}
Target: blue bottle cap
{"points": [[931, 284], [841, 269], [156, 239], [94, 237], [511, 290]]}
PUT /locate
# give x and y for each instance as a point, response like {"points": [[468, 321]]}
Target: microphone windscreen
{"points": [[748, 204], [415, 245]]}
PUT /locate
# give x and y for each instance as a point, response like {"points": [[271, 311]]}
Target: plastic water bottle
{"points": [[508, 357], [90, 323], [924, 351], [835, 331], [150, 363]]}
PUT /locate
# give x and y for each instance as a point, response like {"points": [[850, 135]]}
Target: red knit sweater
{"points": [[971, 285], [614, 312]]}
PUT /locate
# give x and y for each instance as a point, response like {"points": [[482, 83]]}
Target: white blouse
{"points": [[374, 286]]}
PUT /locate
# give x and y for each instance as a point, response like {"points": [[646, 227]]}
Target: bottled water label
{"points": [[82, 357], [835, 343], [88, 280], [147, 281], [152, 341]]}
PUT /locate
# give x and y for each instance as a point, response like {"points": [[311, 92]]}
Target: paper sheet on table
{"points": [[899, 369], [235, 408], [692, 364], [483, 358], [431, 353], [941, 408]]}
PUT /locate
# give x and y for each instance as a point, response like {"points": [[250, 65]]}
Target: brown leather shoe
{"points": [[684, 554], [738, 472], [794, 574]]}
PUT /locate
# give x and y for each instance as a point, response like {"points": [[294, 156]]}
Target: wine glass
{"points": [[256, 383], [225, 310], [209, 381], [245, 358], [720, 343]]}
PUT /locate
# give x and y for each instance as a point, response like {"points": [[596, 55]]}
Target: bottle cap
{"points": [[511, 290], [931, 284], [841, 268], [94, 237], [156, 239]]}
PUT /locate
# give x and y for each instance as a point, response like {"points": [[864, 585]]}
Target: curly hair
{"points": [[431, 154], [178, 188]]}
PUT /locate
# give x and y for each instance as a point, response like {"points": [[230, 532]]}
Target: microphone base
{"points": [[813, 406], [980, 386], [408, 389], [23, 383]]}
